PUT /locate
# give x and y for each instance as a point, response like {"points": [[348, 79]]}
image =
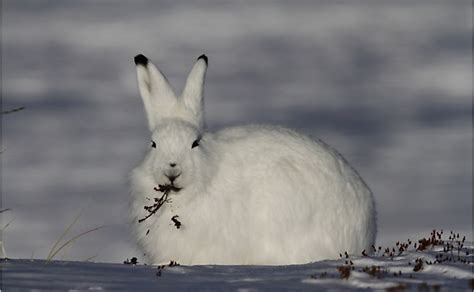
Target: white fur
{"points": [[250, 195]]}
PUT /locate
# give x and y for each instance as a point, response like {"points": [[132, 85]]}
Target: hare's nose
{"points": [[172, 164]]}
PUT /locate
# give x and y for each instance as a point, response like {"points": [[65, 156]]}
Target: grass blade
{"points": [[90, 258], [13, 110], [6, 225], [71, 241], [51, 251]]}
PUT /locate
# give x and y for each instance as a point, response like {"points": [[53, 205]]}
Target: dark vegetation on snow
{"points": [[132, 261], [158, 202], [162, 267], [452, 251]]}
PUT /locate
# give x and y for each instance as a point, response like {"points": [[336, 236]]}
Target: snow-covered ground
{"points": [[433, 268]]}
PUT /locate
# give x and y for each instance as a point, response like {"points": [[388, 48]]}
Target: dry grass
{"points": [[13, 110], [57, 247]]}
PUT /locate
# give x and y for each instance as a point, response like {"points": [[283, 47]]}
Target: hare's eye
{"points": [[195, 143], [153, 144]]}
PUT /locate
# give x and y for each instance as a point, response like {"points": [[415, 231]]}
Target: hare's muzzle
{"points": [[172, 175]]}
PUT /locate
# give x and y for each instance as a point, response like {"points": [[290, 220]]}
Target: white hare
{"points": [[244, 195]]}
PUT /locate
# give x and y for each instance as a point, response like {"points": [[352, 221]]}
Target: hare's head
{"points": [[176, 124]]}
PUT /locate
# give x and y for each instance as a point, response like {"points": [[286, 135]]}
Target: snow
{"points": [[23, 274]]}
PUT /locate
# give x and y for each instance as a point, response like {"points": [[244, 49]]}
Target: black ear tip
{"points": [[204, 57], [140, 60]]}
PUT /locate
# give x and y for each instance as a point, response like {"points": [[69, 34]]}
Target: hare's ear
{"points": [[193, 90], [155, 90]]}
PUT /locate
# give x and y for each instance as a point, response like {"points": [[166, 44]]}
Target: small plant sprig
{"points": [[159, 202], [453, 250], [345, 270], [162, 267], [133, 261], [418, 265], [176, 222], [376, 271], [433, 240]]}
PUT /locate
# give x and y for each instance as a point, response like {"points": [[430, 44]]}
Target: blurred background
{"points": [[387, 83]]}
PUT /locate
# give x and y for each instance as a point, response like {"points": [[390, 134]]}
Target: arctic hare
{"points": [[244, 195]]}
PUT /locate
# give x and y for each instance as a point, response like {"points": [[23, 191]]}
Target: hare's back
{"points": [[269, 152], [266, 145]]}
